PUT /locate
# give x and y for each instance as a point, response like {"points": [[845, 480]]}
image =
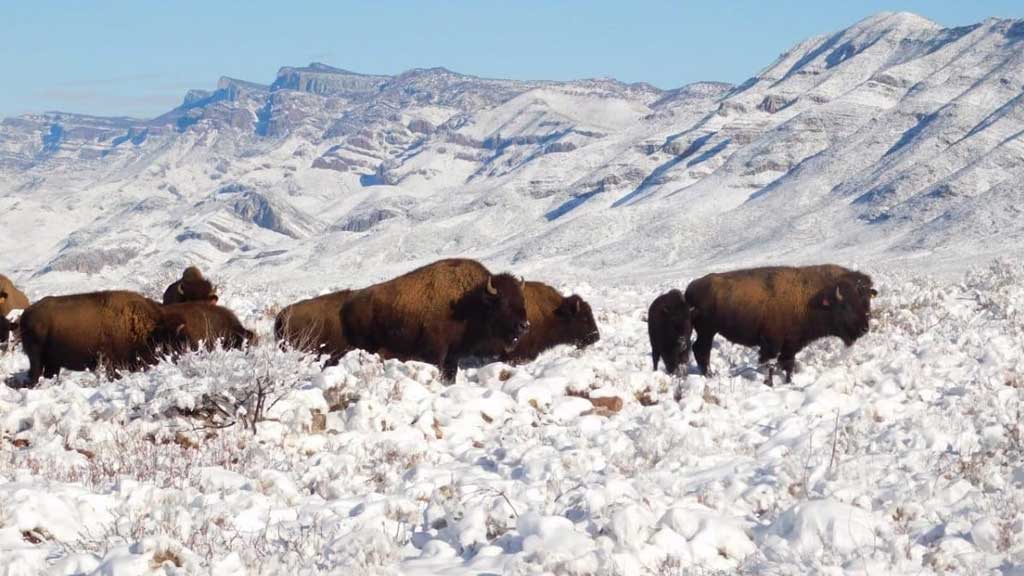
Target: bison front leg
{"points": [[702, 350], [767, 354], [787, 360]]}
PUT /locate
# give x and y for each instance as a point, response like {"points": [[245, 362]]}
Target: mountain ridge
{"points": [[890, 139]]}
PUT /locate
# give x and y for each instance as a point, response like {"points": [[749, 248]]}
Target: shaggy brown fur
{"points": [[669, 328], [10, 297], [191, 287], [438, 313], [779, 309], [123, 330], [554, 319], [314, 324], [208, 324]]}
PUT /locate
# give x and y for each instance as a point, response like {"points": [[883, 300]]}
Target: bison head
{"points": [[575, 322], [505, 309], [848, 306], [197, 290]]}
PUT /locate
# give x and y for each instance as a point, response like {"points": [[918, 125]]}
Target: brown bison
{"points": [[438, 313], [114, 330], [208, 324], [191, 287], [779, 309], [554, 319], [10, 297], [314, 324], [669, 328]]}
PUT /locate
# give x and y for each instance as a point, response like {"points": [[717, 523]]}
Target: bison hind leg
{"points": [[655, 358]]}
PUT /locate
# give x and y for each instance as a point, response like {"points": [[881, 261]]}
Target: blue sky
{"points": [[139, 57]]}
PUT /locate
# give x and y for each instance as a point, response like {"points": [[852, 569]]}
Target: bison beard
{"points": [[779, 309], [438, 313], [314, 325], [115, 330], [669, 328]]}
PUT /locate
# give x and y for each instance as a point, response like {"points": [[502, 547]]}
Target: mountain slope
{"points": [[894, 138]]}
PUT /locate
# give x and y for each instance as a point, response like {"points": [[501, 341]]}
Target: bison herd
{"points": [[441, 313]]}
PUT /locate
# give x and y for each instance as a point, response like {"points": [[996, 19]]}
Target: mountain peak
{"points": [[891, 21]]}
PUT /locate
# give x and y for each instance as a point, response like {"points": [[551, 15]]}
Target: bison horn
{"points": [[490, 287], [577, 308], [180, 290], [522, 282], [839, 295]]}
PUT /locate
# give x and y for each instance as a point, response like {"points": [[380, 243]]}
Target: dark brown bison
{"points": [[191, 287], [668, 325], [114, 330], [779, 309], [10, 297], [208, 324], [314, 324], [438, 313], [554, 319]]}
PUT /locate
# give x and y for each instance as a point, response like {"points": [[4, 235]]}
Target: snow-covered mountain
{"points": [[894, 138]]}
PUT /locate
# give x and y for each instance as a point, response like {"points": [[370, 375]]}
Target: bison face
{"points": [[506, 309], [849, 307], [576, 323]]}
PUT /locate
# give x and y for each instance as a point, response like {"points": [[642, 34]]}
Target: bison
{"points": [[208, 323], [779, 309], [191, 287], [10, 297], [314, 324], [115, 330], [438, 313], [554, 319], [669, 328]]}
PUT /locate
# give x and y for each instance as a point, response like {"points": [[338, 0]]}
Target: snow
{"points": [[901, 455], [892, 146]]}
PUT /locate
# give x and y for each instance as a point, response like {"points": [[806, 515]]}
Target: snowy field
{"points": [[901, 455]]}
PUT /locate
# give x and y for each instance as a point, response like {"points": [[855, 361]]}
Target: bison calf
{"points": [[779, 309], [208, 324], [191, 287], [438, 313], [314, 324], [669, 328], [554, 319], [115, 330]]}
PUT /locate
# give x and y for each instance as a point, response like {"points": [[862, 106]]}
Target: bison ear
{"points": [[3, 296], [873, 292]]}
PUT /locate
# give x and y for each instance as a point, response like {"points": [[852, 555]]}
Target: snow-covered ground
{"points": [[901, 455]]}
